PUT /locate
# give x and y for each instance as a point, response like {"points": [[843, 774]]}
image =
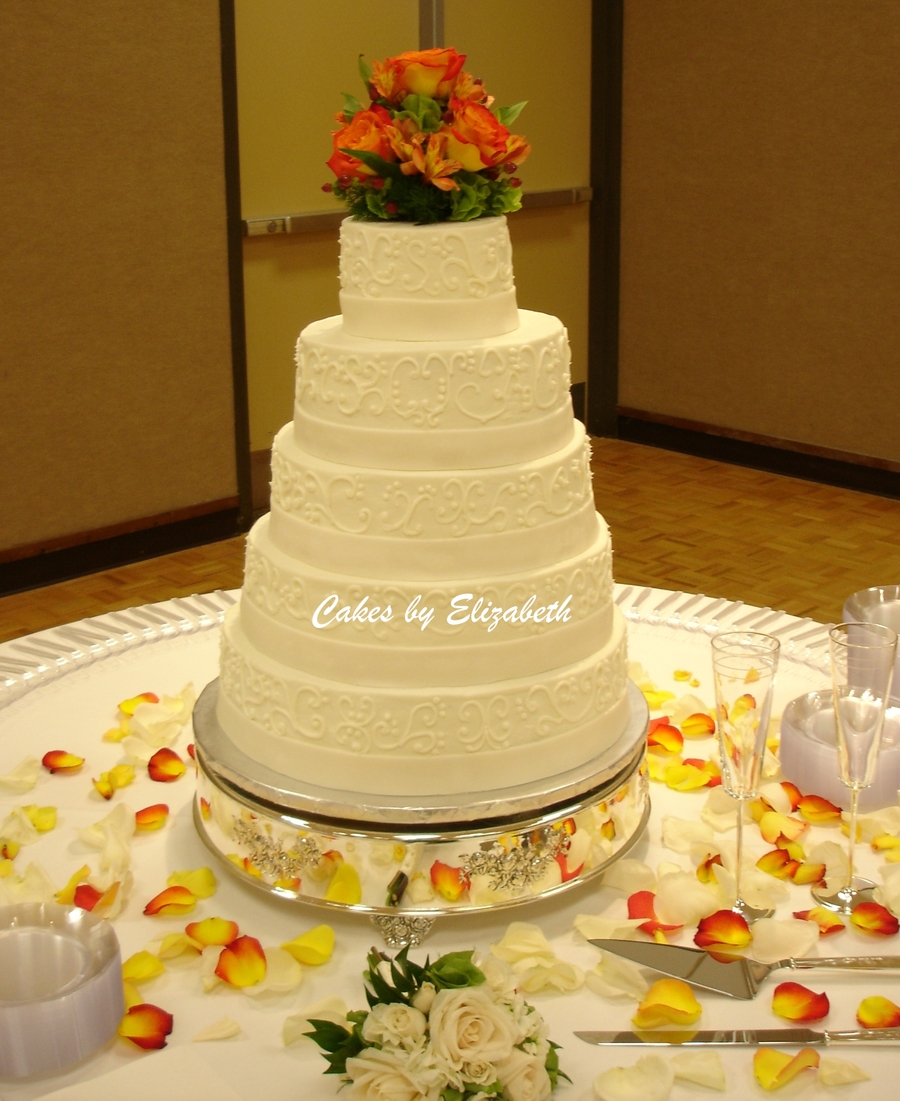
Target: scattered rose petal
{"points": [[807, 873], [640, 905], [332, 1008], [345, 886], [59, 760], [777, 863], [778, 940], [112, 836], [819, 811], [158, 723], [102, 786], [663, 738], [688, 776], [127, 706], [629, 875], [658, 767], [886, 820], [283, 974], [656, 697], [840, 1072], [595, 927], [119, 776], [146, 1025], [223, 1029], [86, 896], [151, 818], [23, 777], [523, 940], [667, 1002], [774, 1069], [698, 725], [704, 868], [720, 811], [795, 1002], [680, 835], [776, 797], [66, 896], [650, 1079], [141, 967], [681, 898], [548, 975], [885, 841], [110, 903], [18, 828], [878, 1012], [242, 963], [173, 900], [133, 996], [200, 881], [165, 766], [834, 857], [34, 885], [704, 1068], [176, 944], [723, 929], [209, 961], [312, 948], [827, 920], [682, 675], [213, 931], [42, 818], [773, 825], [451, 883], [873, 918], [616, 977]]}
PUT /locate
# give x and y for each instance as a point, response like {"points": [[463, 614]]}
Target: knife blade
{"points": [[744, 1037], [738, 978]]}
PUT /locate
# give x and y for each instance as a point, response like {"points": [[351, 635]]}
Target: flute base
{"points": [[848, 897], [750, 913]]}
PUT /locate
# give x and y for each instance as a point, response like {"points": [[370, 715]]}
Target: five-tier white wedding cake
{"points": [[427, 610]]}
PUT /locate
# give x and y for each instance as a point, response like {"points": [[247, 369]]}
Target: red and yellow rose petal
{"points": [[449, 882], [723, 930], [146, 1025], [173, 900], [663, 738], [641, 905], [60, 760], [698, 725], [793, 793], [795, 1002], [878, 1012], [773, 825], [705, 871], [165, 766], [213, 931], [128, 707], [874, 919], [774, 1069], [827, 920], [817, 810], [151, 818], [242, 963], [201, 882], [667, 1002]]}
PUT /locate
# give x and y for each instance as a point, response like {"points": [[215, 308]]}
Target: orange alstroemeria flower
{"points": [[165, 766], [431, 73], [723, 929], [667, 1002], [878, 1012], [449, 882], [173, 900], [470, 89], [698, 725], [797, 1003], [663, 738], [641, 905], [872, 917], [151, 818], [817, 810], [128, 707], [213, 931], [431, 160], [59, 760], [367, 132], [478, 140], [774, 1069], [242, 963], [146, 1025], [827, 921]]}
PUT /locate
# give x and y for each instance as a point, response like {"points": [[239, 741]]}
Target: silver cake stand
{"points": [[409, 865]]}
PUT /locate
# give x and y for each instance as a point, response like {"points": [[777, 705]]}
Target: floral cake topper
{"points": [[429, 147]]}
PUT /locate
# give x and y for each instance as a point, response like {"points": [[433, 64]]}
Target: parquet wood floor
{"points": [[677, 522]]}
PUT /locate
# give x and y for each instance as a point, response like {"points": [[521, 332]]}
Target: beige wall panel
{"points": [[529, 49], [115, 355], [295, 57], [761, 218]]}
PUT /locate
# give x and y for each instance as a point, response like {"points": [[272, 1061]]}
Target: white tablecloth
{"points": [[71, 711]]}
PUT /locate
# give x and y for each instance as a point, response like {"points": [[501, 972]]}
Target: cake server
{"points": [[745, 1037], [738, 978]]}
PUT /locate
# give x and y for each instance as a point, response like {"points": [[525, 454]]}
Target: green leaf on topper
{"points": [[424, 111], [373, 161], [351, 106], [365, 69], [508, 115]]}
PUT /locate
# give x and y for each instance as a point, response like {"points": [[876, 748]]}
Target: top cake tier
{"points": [[447, 281]]}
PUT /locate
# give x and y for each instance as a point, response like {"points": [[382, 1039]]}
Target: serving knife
{"points": [[738, 978], [745, 1037]]}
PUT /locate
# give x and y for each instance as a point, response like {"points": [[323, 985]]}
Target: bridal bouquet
{"points": [[429, 146], [445, 1031]]}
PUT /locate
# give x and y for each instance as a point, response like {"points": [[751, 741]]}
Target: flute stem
{"points": [[854, 809], [739, 850]]}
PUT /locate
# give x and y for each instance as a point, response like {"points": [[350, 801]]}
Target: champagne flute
{"points": [[744, 664], [862, 668]]}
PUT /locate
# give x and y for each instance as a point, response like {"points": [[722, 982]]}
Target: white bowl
{"points": [[880, 604]]}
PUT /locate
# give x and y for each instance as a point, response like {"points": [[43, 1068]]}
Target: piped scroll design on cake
{"points": [[427, 389], [411, 505], [365, 720], [439, 263], [292, 599]]}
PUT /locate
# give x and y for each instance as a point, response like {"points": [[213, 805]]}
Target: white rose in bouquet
{"points": [[394, 1024], [468, 1026], [424, 996], [378, 1074], [524, 1077]]}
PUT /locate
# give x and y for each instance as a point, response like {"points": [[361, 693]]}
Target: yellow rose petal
{"points": [[200, 881], [345, 886], [133, 996], [42, 818], [120, 776], [312, 948], [142, 966]]}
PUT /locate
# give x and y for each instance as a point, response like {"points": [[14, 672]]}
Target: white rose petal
{"points": [[639, 675], [522, 940], [394, 1024], [23, 777], [650, 1079], [834, 857], [702, 1067], [33, 886], [681, 899], [629, 876], [616, 977], [777, 798], [467, 1025], [112, 836], [840, 1072], [524, 1077], [223, 1029], [720, 810], [332, 1009], [159, 724], [136, 750], [595, 927], [209, 961], [549, 975], [778, 940], [666, 867], [877, 824], [682, 708], [889, 894], [18, 827], [680, 834], [771, 766], [283, 974]]}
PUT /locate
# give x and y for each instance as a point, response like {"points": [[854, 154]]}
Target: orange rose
{"points": [[419, 72], [367, 131], [477, 140]]}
